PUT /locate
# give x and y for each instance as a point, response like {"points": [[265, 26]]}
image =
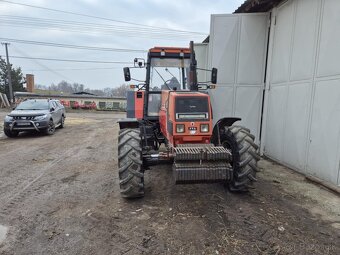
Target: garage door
{"points": [[237, 47], [303, 108]]}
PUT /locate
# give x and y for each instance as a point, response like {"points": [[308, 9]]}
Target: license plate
{"points": [[23, 124]]}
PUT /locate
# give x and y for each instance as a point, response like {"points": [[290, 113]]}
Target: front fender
{"points": [[226, 122], [219, 126]]}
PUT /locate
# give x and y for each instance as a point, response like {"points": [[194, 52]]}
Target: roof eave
{"points": [[251, 6]]}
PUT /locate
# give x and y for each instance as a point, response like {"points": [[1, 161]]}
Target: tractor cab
{"points": [[167, 68]]}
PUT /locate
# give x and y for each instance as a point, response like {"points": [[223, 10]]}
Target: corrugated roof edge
{"points": [[258, 6], [254, 6], [26, 94]]}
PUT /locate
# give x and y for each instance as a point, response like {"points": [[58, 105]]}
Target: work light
{"points": [[180, 128], [204, 128]]}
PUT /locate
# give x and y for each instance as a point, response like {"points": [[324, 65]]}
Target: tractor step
{"points": [[197, 163]]}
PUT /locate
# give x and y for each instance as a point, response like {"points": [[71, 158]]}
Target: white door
{"points": [[238, 48], [302, 113]]}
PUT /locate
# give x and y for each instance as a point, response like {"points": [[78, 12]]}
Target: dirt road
{"points": [[59, 195]]}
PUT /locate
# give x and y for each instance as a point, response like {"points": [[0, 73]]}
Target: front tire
{"points": [[241, 143], [50, 129], [131, 173], [11, 134]]}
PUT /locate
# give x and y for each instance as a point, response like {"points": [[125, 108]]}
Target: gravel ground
{"points": [[59, 195]]}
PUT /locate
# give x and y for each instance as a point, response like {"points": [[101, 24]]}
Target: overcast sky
{"points": [[188, 15]]}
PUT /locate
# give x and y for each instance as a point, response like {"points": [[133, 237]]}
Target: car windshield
{"points": [[167, 73], [33, 105]]}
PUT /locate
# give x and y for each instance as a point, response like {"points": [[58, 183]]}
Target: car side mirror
{"points": [[214, 75], [52, 109], [127, 75]]}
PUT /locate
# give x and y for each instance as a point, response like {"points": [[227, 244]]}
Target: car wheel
{"points": [[10, 133], [51, 128], [62, 122]]}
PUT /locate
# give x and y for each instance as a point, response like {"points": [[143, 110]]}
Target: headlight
{"points": [[180, 128], [42, 117], [204, 128], [8, 118]]}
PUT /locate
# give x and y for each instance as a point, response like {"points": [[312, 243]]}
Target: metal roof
{"points": [[258, 5], [29, 94], [250, 6]]}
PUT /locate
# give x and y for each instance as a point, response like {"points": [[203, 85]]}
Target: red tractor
{"points": [[170, 119]]}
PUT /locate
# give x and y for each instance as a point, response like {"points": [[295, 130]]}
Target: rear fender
{"points": [[128, 123]]}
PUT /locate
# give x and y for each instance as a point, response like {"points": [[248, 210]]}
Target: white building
{"points": [[279, 70]]}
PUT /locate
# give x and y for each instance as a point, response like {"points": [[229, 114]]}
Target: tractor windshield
{"points": [[168, 73]]}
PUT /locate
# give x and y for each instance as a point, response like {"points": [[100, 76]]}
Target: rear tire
{"points": [[240, 141], [131, 173], [11, 134], [62, 122]]}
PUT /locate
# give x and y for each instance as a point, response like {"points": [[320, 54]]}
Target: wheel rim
{"points": [[62, 121], [50, 127]]}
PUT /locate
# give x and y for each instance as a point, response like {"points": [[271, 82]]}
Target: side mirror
{"points": [[214, 75], [52, 109], [127, 75]]}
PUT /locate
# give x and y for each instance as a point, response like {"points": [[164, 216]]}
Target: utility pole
{"points": [[9, 78]]}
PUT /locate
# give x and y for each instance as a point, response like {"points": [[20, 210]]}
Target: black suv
{"points": [[42, 115]]}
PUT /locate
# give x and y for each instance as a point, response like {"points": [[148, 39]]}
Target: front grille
{"points": [[23, 117]]}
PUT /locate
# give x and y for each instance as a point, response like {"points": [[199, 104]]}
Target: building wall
{"points": [[302, 117], [237, 47], [68, 101], [101, 104], [201, 52]]}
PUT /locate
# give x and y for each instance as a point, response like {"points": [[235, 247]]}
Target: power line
{"points": [[42, 65], [97, 25], [92, 28], [74, 69], [95, 17], [74, 60], [95, 33], [71, 46]]}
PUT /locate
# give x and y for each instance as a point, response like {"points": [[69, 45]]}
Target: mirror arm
{"points": [[137, 80], [203, 69]]}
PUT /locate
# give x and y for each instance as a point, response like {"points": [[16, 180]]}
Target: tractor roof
{"points": [[159, 49], [185, 93]]}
